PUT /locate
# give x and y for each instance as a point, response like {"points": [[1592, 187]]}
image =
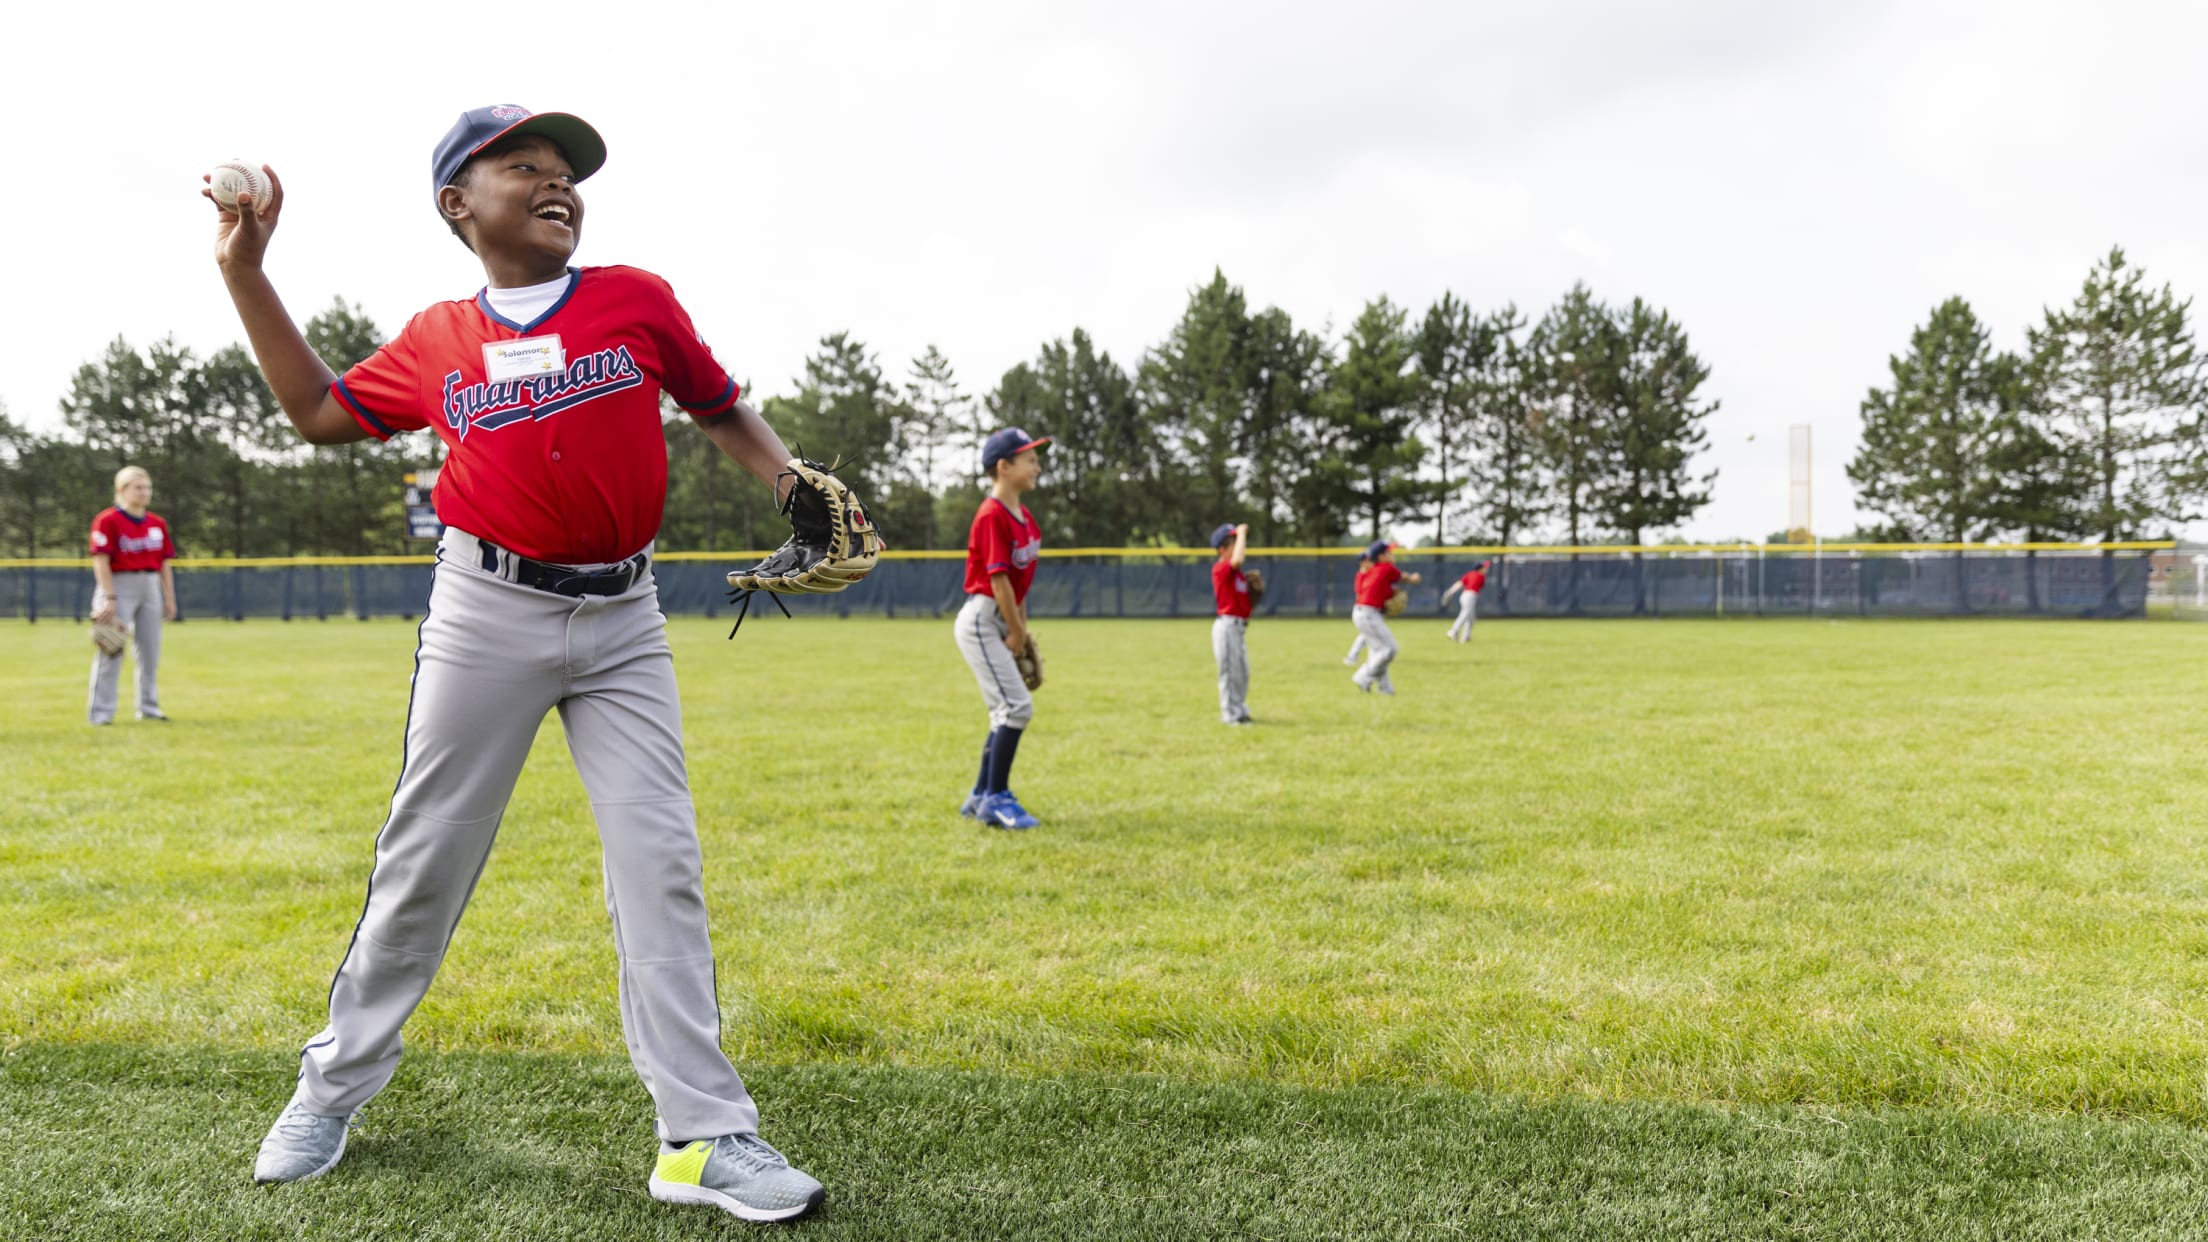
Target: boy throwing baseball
{"points": [[1374, 586], [1468, 588], [544, 388], [1230, 643]]}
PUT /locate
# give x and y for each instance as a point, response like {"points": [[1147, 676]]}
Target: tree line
{"points": [[2096, 429], [1471, 425], [1476, 425]]}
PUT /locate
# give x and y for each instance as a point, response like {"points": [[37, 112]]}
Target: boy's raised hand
{"points": [[241, 237]]}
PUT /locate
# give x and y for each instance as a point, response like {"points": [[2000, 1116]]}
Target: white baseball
{"points": [[229, 180]]}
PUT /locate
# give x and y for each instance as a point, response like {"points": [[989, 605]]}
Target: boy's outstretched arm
{"points": [[751, 443], [298, 377]]}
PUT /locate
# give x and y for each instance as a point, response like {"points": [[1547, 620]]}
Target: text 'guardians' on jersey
{"points": [[567, 463]]}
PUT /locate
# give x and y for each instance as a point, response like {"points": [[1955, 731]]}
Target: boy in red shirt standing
{"points": [[1469, 585], [1002, 549], [544, 388], [1230, 646], [1374, 586], [134, 588]]}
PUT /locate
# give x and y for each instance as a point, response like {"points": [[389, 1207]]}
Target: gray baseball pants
{"points": [[494, 657], [1379, 646], [138, 609], [1461, 628], [981, 633], [1230, 646]]}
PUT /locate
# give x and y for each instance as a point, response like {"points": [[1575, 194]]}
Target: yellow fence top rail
{"points": [[734, 559]]}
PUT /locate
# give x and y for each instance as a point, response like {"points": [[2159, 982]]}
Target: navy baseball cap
{"points": [[1220, 536], [480, 127], [1010, 442], [1376, 547]]}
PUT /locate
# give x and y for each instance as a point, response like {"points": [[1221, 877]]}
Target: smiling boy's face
{"points": [[518, 201]]}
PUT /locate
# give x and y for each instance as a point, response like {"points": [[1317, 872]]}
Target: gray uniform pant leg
{"points": [[624, 726], [494, 658], [1461, 628], [1230, 647], [137, 608], [980, 633], [1379, 646]]}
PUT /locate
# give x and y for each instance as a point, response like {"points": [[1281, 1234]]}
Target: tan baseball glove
{"points": [[109, 637], [1256, 579], [1397, 603], [832, 543], [1030, 664]]}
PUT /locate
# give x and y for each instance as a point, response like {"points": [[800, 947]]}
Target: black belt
{"points": [[562, 580]]}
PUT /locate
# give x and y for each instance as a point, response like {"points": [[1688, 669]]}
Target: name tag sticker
{"points": [[526, 358]]}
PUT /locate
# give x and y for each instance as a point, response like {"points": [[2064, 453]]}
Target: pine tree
{"points": [[1658, 429], [1507, 466], [2119, 382], [936, 412], [1374, 449], [1455, 350], [1926, 462], [1101, 478], [1575, 351], [1195, 391], [1289, 374]]}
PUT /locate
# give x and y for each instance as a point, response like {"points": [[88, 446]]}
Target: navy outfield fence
{"points": [[1831, 580]]}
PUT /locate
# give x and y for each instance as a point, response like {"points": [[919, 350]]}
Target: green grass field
{"points": [[1673, 929]]}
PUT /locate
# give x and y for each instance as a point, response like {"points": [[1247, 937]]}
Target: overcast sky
{"points": [[1797, 183]]}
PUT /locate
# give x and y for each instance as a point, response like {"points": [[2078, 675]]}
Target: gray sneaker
{"points": [[300, 1145], [738, 1173]]}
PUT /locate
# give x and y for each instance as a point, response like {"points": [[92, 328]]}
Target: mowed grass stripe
{"points": [[153, 1145], [1948, 864]]}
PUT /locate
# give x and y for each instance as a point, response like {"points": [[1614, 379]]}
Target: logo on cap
{"points": [[509, 112]]}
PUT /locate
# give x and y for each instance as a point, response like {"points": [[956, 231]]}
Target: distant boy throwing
{"points": [[1374, 586], [1230, 642], [1468, 588]]}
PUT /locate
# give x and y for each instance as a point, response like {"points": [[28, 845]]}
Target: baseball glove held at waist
{"points": [[109, 637], [1030, 663]]}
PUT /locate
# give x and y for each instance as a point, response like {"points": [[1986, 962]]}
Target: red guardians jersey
{"points": [[1472, 582], [1230, 590], [1377, 583], [131, 544], [1002, 544], [551, 428]]}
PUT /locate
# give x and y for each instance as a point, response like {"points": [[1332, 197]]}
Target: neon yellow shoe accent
{"points": [[687, 1166]]}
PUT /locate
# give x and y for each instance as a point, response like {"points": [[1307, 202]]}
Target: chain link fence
{"points": [[1731, 582], [2180, 583]]}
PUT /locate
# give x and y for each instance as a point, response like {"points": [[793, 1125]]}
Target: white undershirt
{"points": [[525, 304]]}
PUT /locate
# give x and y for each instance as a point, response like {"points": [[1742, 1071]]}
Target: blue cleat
{"points": [[971, 807], [1003, 810]]}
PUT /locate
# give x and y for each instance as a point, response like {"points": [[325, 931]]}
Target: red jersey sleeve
{"points": [[103, 534], [384, 394], [1388, 573], [693, 376]]}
